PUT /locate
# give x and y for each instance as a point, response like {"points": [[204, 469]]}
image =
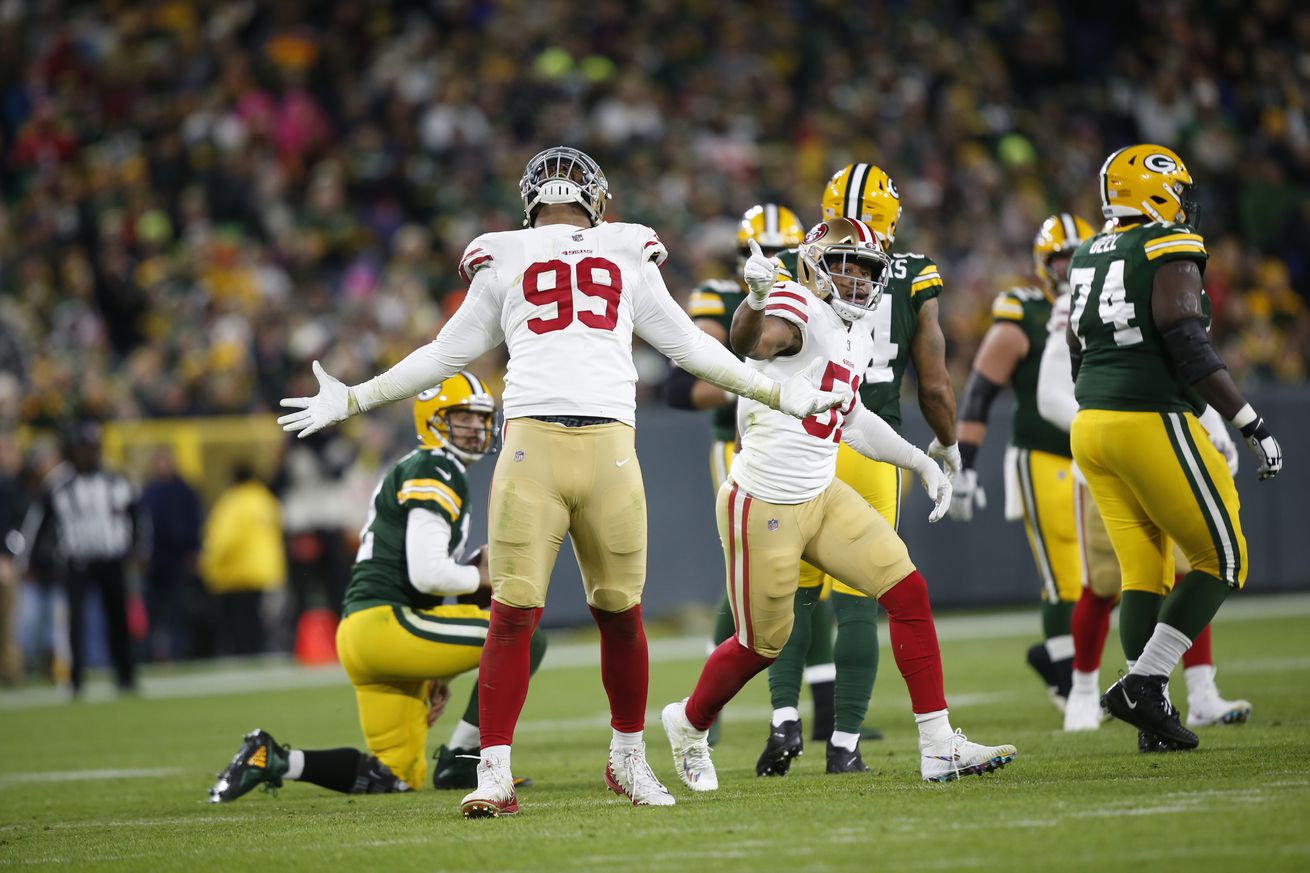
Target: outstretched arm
{"points": [[470, 333], [874, 438]]}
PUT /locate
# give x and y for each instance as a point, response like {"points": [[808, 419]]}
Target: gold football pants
{"points": [[763, 543], [553, 480], [879, 484], [1156, 477], [391, 654], [1047, 487]]}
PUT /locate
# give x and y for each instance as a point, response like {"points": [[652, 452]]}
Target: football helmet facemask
{"points": [[841, 261], [774, 227], [1150, 181], [563, 175], [1059, 235], [462, 392], [866, 193]]}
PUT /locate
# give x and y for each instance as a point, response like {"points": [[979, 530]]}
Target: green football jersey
{"points": [[914, 280], [424, 479], [1126, 365], [717, 300], [1030, 310]]}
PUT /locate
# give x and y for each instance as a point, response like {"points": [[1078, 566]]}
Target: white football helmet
{"points": [[564, 175]]}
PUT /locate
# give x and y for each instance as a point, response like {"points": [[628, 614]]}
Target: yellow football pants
{"points": [[879, 484], [1156, 477], [391, 654], [1047, 486]]}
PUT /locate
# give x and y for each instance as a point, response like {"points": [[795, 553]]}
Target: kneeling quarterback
{"points": [[782, 503], [398, 644]]}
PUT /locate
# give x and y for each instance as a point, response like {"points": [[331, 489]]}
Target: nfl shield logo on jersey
{"points": [[518, 456], [773, 524]]}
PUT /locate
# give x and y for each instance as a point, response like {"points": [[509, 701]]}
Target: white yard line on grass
{"points": [[10, 779], [265, 674]]}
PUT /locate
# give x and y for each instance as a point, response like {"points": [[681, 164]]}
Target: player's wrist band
{"points": [[757, 303], [968, 455], [1243, 417]]}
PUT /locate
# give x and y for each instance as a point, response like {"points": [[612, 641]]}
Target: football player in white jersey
{"points": [[1101, 577], [565, 295], [782, 502]]}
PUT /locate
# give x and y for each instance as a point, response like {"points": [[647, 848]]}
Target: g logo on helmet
{"points": [[816, 232], [1158, 163], [429, 393], [891, 188]]}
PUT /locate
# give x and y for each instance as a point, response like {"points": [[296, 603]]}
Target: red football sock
{"points": [[624, 666], [1199, 655], [914, 642], [727, 671], [503, 672], [1090, 626]]}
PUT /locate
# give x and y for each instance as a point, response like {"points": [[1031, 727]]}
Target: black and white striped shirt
{"points": [[94, 515]]}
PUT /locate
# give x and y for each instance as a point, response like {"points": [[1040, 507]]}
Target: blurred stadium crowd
{"points": [[201, 196]]}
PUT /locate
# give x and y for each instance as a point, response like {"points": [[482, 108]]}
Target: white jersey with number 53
{"points": [[566, 300], [789, 460]]}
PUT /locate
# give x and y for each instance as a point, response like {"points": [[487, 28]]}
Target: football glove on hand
{"points": [[1266, 448], [760, 275], [331, 404], [949, 456], [1228, 449], [967, 492], [799, 398], [937, 485]]}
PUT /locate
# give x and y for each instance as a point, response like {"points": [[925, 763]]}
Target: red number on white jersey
{"points": [[588, 270], [827, 424]]}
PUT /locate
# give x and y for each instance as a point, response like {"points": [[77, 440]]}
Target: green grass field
{"points": [[121, 784]]}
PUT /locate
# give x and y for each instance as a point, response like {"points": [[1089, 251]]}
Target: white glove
{"points": [[330, 405], [800, 398], [1228, 449], [760, 275], [949, 456], [1266, 448], [967, 493], [937, 485]]}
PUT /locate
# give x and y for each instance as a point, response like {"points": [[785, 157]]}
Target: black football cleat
{"points": [[785, 742], [1151, 744], [259, 761], [1140, 700], [845, 761]]}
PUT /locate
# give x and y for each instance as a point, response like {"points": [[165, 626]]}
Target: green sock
{"points": [[1138, 613], [820, 651], [786, 672], [856, 657], [536, 651], [1056, 618], [820, 655], [724, 626], [1193, 603]]}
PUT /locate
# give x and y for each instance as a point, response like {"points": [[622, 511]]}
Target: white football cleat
{"points": [[627, 774], [691, 749], [952, 758], [494, 795], [1083, 712], [1204, 710]]}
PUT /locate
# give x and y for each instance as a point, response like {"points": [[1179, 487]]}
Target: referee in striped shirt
{"points": [[95, 519]]}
